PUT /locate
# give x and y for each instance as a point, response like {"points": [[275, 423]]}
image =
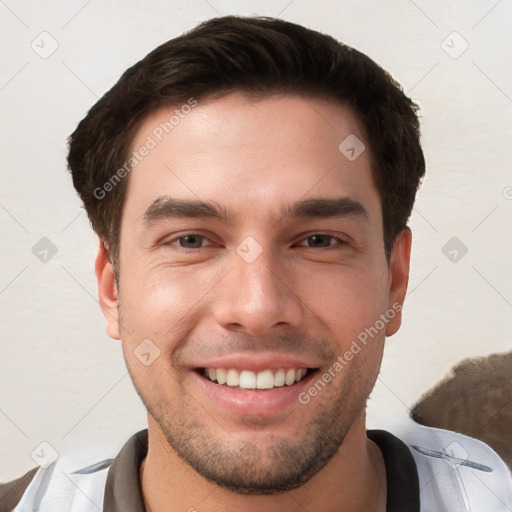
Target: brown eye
{"points": [[191, 241], [187, 241], [319, 240]]}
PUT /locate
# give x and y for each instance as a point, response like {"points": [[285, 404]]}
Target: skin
{"points": [[300, 296]]}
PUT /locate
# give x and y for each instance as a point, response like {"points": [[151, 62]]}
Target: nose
{"points": [[257, 296]]}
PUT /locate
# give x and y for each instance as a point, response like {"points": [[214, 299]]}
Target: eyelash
{"points": [[176, 239]]}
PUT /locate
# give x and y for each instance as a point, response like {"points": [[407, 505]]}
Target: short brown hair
{"points": [[259, 56]]}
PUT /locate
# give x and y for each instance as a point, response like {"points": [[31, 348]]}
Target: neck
{"points": [[353, 481]]}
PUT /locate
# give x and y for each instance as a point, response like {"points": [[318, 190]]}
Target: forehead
{"points": [[244, 152]]}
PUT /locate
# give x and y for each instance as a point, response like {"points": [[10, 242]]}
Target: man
{"points": [[250, 183]]}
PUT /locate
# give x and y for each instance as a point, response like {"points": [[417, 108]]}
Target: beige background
{"points": [[62, 380]]}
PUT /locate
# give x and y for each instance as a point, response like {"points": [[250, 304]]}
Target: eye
{"points": [[323, 240], [188, 241]]}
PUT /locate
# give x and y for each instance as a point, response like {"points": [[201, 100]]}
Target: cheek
{"points": [[349, 302], [161, 304]]}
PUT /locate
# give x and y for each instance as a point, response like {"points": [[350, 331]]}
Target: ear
{"points": [[107, 292], [398, 277]]}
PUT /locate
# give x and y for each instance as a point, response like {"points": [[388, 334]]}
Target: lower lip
{"points": [[266, 402]]}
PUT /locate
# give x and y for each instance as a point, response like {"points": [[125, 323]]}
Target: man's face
{"points": [[261, 291]]}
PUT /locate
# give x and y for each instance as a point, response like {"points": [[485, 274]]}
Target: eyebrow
{"points": [[165, 207]]}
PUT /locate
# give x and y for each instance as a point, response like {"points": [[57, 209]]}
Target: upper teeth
{"points": [[248, 379]]}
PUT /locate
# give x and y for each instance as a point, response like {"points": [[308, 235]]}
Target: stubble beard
{"points": [[272, 465]]}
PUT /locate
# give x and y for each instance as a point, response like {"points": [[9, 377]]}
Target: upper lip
{"points": [[258, 362]]}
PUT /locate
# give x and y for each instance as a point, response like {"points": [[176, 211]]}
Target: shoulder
{"points": [[45, 489], [11, 492], [457, 471]]}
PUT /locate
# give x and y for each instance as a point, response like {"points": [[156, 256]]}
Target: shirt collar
{"points": [[403, 486], [123, 490]]}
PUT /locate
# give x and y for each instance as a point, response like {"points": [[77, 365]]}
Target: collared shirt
{"points": [[123, 489], [453, 471]]}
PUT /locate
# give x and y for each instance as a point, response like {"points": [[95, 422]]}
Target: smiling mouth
{"points": [[260, 381]]}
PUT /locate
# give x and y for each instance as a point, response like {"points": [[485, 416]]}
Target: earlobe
{"points": [[398, 277], [107, 292]]}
